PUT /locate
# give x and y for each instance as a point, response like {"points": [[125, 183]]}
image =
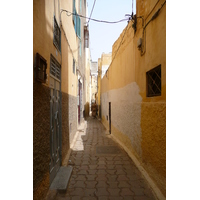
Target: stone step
{"points": [[61, 180]]}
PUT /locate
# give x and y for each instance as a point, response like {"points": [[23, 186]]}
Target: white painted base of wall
{"points": [[153, 186]]}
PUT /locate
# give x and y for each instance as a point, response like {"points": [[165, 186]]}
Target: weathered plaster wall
{"points": [[126, 114], [153, 126], [138, 121]]}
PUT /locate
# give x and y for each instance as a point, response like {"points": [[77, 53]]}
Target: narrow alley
{"points": [[101, 169]]}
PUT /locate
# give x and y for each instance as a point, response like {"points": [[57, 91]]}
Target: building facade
{"points": [[58, 81], [103, 64], [94, 73], [133, 91]]}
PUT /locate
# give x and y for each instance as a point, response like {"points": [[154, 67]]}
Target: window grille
{"points": [[57, 35], [154, 82], [55, 68]]}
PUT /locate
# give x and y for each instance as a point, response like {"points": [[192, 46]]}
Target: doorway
{"points": [[110, 117], [55, 118]]}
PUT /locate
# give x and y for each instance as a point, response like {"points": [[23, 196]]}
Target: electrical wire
{"points": [[96, 20], [92, 11], [132, 6]]}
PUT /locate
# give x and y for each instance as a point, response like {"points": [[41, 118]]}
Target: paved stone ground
{"points": [[102, 177]]}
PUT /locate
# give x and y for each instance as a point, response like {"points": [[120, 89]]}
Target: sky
{"points": [[102, 35]]}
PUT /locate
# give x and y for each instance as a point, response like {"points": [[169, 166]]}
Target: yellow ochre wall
{"points": [[43, 29], [138, 121]]}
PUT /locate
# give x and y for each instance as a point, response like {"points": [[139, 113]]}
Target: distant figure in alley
{"points": [[94, 109]]}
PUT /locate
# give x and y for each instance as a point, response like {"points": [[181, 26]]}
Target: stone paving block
{"points": [[138, 191], [123, 184], [110, 162], [116, 198], [101, 171], [81, 178], [118, 166], [102, 198], [89, 198], [92, 166], [143, 198], [101, 178], [111, 171], [62, 198], [89, 192], [101, 167], [110, 166], [85, 163], [76, 198], [77, 192], [91, 184], [109, 158], [82, 172], [134, 177], [120, 171], [148, 192], [101, 184], [91, 177], [85, 167], [112, 177], [114, 191], [135, 184], [112, 184], [79, 184], [102, 192], [126, 192], [101, 162], [92, 171], [122, 178]]}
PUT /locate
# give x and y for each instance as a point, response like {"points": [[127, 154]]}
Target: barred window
{"points": [[55, 68], [153, 78], [57, 35]]}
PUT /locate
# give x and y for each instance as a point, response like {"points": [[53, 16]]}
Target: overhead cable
{"points": [[96, 20], [91, 11]]}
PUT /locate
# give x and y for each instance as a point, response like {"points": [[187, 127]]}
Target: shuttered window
{"points": [[57, 35], [76, 20], [55, 69]]}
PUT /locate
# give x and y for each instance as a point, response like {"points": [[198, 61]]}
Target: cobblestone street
{"points": [[102, 169]]}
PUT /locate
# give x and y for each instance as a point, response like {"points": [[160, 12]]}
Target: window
{"points": [[57, 35], [153, 78], [76, 20], [41, 66], [55, 68], [74, 66]]}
